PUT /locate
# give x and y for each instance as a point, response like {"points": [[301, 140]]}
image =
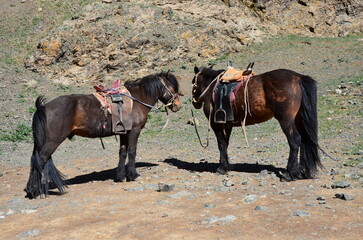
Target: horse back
{"points": [[77, 114], [269, 94]]}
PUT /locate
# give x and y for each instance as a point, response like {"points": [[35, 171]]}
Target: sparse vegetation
{"points": [[23, 132]]}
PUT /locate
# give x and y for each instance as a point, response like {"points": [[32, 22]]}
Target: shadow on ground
{"points": [[104, 175], [212, 167]]}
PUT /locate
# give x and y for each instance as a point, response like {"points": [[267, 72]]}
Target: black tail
{"points": [[309, 148], [40, 177]]}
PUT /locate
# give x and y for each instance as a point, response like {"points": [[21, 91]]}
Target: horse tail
{"points": [[38, 183], [309, 148]]}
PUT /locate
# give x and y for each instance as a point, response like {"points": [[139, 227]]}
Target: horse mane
{"points": [[210, 72], [151, 85]]}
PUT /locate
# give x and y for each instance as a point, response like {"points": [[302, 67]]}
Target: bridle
{"points": [[173, 95], [195, 85]]}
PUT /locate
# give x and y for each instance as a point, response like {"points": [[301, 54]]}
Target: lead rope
{"points": [[210, 111], [209, 127], [247, 108]]}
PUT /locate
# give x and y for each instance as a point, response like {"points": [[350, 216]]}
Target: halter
{"points": [[207, 88], [173, 95]]}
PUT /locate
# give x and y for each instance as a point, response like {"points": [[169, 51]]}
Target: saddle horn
{"points": [[249, 68]]}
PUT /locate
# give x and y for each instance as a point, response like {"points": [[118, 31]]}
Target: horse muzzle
{"points": [[197, 103], [176, 105]]}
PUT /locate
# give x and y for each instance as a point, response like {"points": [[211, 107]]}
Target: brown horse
{"points": [[82, 115], [288, 96]]}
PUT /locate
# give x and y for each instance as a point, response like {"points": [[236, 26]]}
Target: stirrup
{"points": [[220, 116]]}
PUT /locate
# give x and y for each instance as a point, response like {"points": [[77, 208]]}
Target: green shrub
{"points": [[22, 132]]}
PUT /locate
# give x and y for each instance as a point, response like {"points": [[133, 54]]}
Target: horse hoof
{"points": [[120, 178], [221, 171], [132, 177], [285, 177], [42, 196]]}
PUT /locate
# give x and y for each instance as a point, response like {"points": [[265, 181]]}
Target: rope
{"points": [[209, 127], [247, 108]]}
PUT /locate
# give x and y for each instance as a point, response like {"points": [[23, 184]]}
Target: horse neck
{"points": [[208, 98], [137, 93]]}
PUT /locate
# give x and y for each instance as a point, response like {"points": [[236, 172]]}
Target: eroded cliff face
{"points": [[120, 39], [328, 18]]}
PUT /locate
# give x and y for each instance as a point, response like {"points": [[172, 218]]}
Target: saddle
{"points": [[115, 102], [226, 89]]}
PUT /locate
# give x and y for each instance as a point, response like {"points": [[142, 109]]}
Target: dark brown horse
{"points": [[288, 96], [82, 115]]}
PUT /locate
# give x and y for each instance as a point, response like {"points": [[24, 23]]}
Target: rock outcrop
{"points": [[116, 39]]}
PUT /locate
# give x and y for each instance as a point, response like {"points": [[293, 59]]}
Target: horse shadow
{"points": [[104, 175], [212, 167]]}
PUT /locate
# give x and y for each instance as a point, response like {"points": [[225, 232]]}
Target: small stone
{"points": [[29, 233], [342, 184], [209, 205], [10, 212], [166, 187], [344, 196], [299, 213], [321, 198], [260, 208], [215, 219], [263, 173], [227, 182], [334, 172], [193, 122], [222, 189], [179, 195], [250, 199], [165, 215], [28, 211]]}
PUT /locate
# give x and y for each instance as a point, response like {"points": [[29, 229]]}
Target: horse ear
{"points": [[196, 69], [211, 66], [168, 74]]}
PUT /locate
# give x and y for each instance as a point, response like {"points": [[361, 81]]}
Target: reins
{"points": [[247, 108]]}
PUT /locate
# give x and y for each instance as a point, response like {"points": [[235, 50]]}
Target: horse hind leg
{"points": [[50, 173], [294, 170], [43, 172]]}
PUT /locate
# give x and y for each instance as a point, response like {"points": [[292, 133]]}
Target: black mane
{"points": [[151, 85], [210, 73]]}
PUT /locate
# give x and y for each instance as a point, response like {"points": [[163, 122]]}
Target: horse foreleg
{"points": [[294, 170], [222, 133], [120, 171], [131, 173]]}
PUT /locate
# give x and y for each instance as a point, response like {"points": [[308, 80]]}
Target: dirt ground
{"points": [[248, 203]]}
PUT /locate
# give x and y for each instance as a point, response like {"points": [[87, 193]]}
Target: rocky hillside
{"points": [[113, 38]]}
